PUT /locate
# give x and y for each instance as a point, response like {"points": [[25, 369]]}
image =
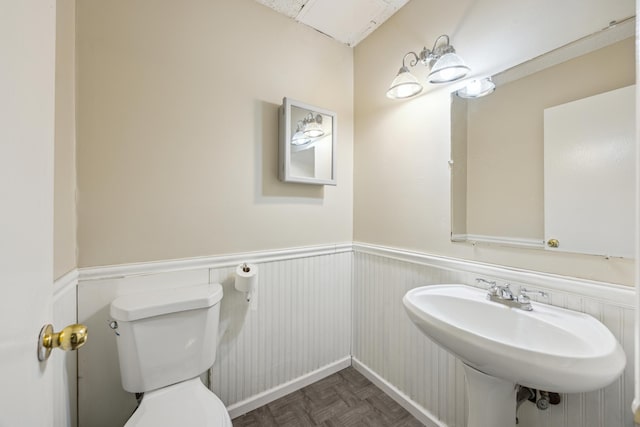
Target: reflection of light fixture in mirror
{"points": [[446, 66], [299, 138], [477, 88], [312, 125]]}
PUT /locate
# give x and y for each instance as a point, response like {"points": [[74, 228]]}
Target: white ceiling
{"points": [[348, 21]]}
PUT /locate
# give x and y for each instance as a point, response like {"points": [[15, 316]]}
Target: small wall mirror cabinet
{"points": [[307, 152]]}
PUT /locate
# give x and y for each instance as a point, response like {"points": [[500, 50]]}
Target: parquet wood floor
{"points": [[345, 398]]}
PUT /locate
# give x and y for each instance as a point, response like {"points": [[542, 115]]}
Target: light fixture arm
{"points": [[446, 45], [413, 62], [428, 57]]}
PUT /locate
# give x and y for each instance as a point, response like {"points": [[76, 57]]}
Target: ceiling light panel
{"points": [[347, 21], [291, 8], [342, 20]]}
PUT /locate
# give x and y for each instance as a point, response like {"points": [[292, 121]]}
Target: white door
{"points": [[589, 174], [27, 67]]}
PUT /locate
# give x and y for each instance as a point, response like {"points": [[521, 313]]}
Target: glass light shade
{"points": [[405, 85], [313, 130], [477, 88], [448, 68], [312, 127], [299, 138]]}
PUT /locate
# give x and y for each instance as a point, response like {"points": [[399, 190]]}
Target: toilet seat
{"points": [[185, 404]]}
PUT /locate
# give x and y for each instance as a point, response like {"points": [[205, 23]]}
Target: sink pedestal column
{"points": [[492, 401]]}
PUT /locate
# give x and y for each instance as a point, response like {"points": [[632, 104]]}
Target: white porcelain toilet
{"points": [[166, 340]]}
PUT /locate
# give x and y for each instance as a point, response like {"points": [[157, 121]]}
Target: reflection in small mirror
{"points": [[307, 144]]}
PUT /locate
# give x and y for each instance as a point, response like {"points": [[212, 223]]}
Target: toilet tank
{"points": [[166, 336]]}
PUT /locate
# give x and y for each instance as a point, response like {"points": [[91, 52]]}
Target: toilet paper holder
{"points": [[246, 277]]}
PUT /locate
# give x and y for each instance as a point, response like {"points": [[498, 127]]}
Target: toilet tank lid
{"points": [[141, 305]]}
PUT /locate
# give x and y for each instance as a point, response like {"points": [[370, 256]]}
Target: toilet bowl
{"points": [[166, 339], [188, 403]]}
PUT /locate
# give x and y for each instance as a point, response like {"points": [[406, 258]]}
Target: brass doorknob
{"points": [[553, 243], [70, 338]]}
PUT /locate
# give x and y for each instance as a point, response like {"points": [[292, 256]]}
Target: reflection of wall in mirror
{"points": [[303, 163], [459, 168], [505, 139], [323, 158]]}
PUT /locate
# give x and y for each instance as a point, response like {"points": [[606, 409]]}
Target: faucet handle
{"points": [[525, 293], [491, 283], [524, 299], [493, 286]]}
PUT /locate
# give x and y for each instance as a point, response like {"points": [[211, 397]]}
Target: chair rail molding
{"points": [[619, 295]]}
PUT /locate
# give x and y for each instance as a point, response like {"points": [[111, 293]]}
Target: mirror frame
{"points": [[284, 158]]}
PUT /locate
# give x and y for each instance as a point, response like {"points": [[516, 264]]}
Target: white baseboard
{"points": [[421, 414], [261, 399]]}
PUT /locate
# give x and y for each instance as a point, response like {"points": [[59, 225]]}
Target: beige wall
{"points": [[64, 232], [401, 172], [458, 166], [177, 130]]}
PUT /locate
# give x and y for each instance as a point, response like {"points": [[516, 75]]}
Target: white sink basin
{"points": [[549, 348]]}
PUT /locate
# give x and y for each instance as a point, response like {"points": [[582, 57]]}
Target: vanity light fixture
{"points": [[477, 88], [446, 66]]}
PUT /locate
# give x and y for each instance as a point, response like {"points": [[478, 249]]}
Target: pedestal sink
{"points": [[548, 348]]}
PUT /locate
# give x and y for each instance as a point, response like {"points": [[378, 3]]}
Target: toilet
{"points": [[166, 340]]}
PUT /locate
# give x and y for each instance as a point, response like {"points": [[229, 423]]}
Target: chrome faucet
{"points": [[504, 295]]}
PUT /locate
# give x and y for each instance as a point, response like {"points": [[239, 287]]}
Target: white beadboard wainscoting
{"points": [[317, 310], [428, 381], [64, 363], [296, 329]]}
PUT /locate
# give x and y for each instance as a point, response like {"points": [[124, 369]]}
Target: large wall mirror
{"points": [[518, 177], [307, 143]]}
